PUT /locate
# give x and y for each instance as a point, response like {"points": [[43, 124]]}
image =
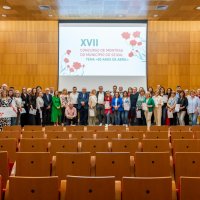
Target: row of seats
{"points": [[102, 128]]}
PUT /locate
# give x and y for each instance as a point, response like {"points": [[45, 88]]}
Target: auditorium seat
{"points": [[32, 134], [32, 164], [81, 134], [57, 135], [33, 128], [147, 188], [32, 188], [159, 128], [152, 164], [181, 135], [137, 128], [4, 170], [186, 145], [195, 128], [95, 128], [132, 135], [156, 135], [0, 187], [187, 164], [94, 145], [155, 145], [12, 128], [34, 145], [73, 163], [107, 134], [125, 145], [11, 134], [53, 128], [116, 164], [196, 134], [117, 128], [63, 145], [189, 188], [10, 145], [90, 188], [75, 128], [180, 128]]}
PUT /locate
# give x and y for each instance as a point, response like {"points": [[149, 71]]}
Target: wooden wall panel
{"points": [[29, 53], [174, 54]]}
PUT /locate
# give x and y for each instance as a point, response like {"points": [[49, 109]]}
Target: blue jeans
{"points": [[13, 121], [193, 117], [124, 115], [107, 118], [117, 117]]}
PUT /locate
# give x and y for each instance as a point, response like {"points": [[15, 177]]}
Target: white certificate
{"points": [[126, 106], [107, 105], [138, 114], [170, 114], [91, 112], [177, 108], [32, 111], [23, 111], [144, 106], [165, 98], [7, 112]]}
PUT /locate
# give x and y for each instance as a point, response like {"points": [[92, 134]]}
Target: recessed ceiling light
{"points": [[198, 8], [6, 7], [50, 15], [161, 7], [155, 15], [4, 15], [44, 7]]}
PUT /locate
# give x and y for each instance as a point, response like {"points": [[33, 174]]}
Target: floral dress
{"points": [[5, 103]]}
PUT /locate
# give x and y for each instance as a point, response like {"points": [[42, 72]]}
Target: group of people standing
{"points": [[119, 107]]}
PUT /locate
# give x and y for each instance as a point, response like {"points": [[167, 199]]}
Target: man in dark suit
{"points": [[47, 97], [83, 98], [133, 100]]}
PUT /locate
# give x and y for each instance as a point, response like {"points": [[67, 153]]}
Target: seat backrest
{"points": [[144, 188], [93, 188], [82, 134], [155, 145], [181, 135], [125, 145], [33, 164], [113, 164], [76, 164], [12, 128], [4, 171], [33, 134], [186, 145], [196, 134], [180, 128], [95, 128], [53, 128], [156, 135], [195, 128], [0, 187], [137, 128], [32, 188], [10, 134], [32, 128], [75, 128], [9, 145], [152, 164], [57, 135], [34, 145], [132, 134], [189, 188], [117, 128], [159, 128], [63, 145], [187, 164], [94, 145], [107, 134]]}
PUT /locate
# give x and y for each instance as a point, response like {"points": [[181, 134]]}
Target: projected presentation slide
{"points": [[102, 52]]}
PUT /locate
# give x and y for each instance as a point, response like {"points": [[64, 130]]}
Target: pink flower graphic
{"points": [[71, 69], [133, 42], [136, 34], [139, 43], [68, 52], [77, 65], [126, 35], [66, 60], [131, 54]]}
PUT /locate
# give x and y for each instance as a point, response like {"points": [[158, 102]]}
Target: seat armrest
{"points": [[53, 166], [7, 191], [63, 186], [118, 190]]}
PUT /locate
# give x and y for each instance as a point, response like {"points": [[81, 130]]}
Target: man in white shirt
{"points": [[100, 105], [73, 97]]}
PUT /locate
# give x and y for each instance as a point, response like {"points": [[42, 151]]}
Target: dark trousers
{"points": [[40, 121], [141, 121], [63, 115], [32, 119], [133, 115], [83, 116], [71, 121], [76, 118], [47, 117], [187, 119], [24, 119], [173, 121], [164, 115], [100, 112]]}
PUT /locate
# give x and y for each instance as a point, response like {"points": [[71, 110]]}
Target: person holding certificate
{"points": [[171, 104], [126, 106], [183, 102], [108, 107], [158, 100], [117, 107], [139, 111], [148, 106]]}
